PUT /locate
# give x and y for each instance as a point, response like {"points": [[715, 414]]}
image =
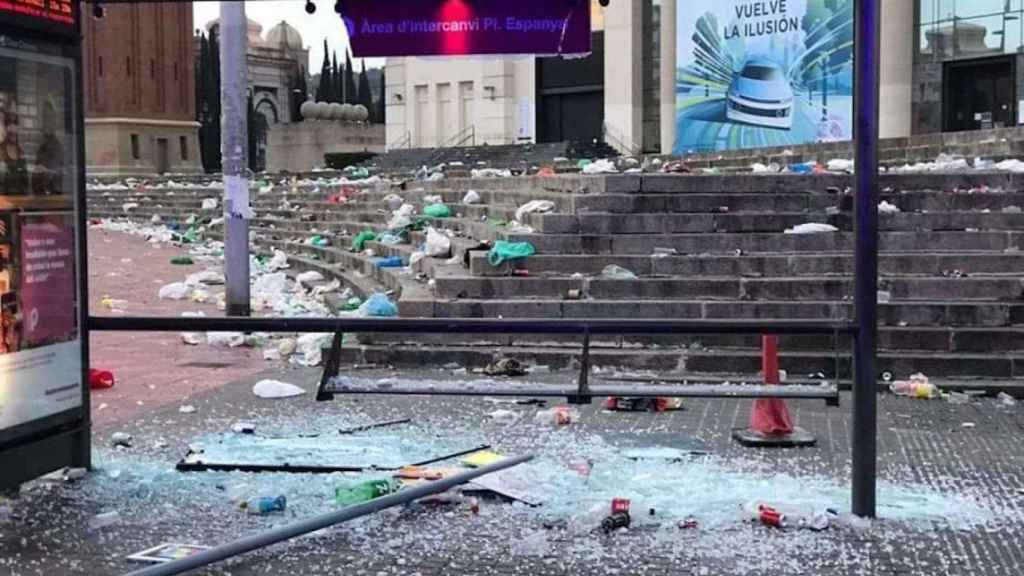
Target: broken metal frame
{"points": [[288, 531], [199, 466]]}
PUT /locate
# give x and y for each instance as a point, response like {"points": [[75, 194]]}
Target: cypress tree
{"points": [[365, 96], [351, 94], [382, 100], [336, 76], [323, 90]]}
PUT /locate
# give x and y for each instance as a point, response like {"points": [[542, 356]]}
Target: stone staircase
{"points": [[701, 247]]}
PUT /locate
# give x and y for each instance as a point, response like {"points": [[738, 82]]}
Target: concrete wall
{"points": [[430, 101], [109, 150], [896, 74], [300, 146], [623, 72]]}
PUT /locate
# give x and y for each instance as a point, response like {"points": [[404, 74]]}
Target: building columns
{"points": [[897, 68], [668, 76], [623, 68]]}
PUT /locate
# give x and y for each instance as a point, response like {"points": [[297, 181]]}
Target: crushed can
{"points": [[771, 517], [620, 505], [688, 523], [615, 521]]}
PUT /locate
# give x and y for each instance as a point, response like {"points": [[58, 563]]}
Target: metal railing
{"points": [[404, 141], [618, 141], [461, 138]]}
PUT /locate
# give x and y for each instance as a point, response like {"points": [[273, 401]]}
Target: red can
{"points": [[620, 505], [688, 523], [772, 517]]}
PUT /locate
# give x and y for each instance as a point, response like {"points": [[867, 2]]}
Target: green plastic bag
{"points": [[359, 242], [182, 261], [437, 211], [504, 251]]}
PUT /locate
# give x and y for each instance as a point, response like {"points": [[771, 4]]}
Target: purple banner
{"points": [[463, 27], [47, 282]]}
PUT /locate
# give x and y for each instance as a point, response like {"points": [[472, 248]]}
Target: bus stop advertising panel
{"points": [[43, 399]]}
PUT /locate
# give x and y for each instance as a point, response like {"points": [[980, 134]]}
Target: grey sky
{"points": [[314, 28]]}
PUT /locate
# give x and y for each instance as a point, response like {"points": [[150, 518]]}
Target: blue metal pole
{"points": [[865, 370]]}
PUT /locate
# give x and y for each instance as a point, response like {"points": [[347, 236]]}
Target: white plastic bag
{"points": [[534, 206], [225, 339], [276, 389], [210, 204], [174, 291], [310, 348], [471, 197], [812, 228], [600, 167], [309, 278], [438, 245]]}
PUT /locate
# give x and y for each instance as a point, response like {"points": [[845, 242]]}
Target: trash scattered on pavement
{"points": [[166, 553], [276, 389], [243, 428], [225, 339], [506, 367], [917, 386], [359, 242], [100, 379], [378, 306], [1006, 400], [616, 272], [887, 208], [209, 204], [557, 416], [265, 505], [534, 206], [388, 262], [174, 291], [634, 404], [187, 409], [481, 458], [357, 493], [471, 197], [123, 439], [840, 165], [812, 228], [600, 167], [619, 516], [438, 245], [310, 349], [884, 296], [309, 278], [504, 416], [437, 211], [182, 261], [103, 520], [958, 398]]}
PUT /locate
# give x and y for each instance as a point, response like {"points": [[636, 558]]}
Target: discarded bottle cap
{"points": [[887, 376]]}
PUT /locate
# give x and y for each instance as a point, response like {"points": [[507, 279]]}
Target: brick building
{"points": [[140, 90]]}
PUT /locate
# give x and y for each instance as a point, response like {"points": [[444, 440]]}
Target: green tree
{"points": [[365, 95], [382, 101], [351, 93], [323, 89]]}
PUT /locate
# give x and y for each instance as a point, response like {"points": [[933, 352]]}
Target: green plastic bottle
{"points": [[349, 494]]}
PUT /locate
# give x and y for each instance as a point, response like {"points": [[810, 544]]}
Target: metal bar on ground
{"points": [[452, 455], [374, 425], [257, 541], [463, 325], [794, 392], [865, 373]]}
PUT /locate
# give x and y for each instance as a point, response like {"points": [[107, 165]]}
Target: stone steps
{"points": [[728, 288], [766, 265]]}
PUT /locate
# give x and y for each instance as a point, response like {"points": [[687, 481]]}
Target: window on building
{"points": [[128, 65], [136, 153], [183, 144], [99, 66], [961, 29]]}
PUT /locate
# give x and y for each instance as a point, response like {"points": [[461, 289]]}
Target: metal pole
{"points": [[234, 149], [865, 371], [256, 541]]}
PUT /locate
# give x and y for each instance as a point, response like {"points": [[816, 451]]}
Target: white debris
{"points": [[758, 168], [887, 208], [514, 227], [490, 173], [393, 201], [156, 219], [812, 228], [1012, 210], [174, 291], [1006, 400], [310, 348], [192, 338], [210, 204], [884, 297], [104, 519], [279, 261], [309, 278], [438, 244], [187, 409], [534, 206], [1012, 165], [840, 165], [206, 277], [121, 439], [225, 339], [471, 197], [600, 167], [129, 206], [276, 389], [270, 285], [286, 347], [504, 416], [243, 428]]}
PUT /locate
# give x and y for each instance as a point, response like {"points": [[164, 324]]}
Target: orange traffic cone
{"points": [[771, 424]]}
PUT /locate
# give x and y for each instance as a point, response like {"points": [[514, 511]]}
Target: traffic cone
{"points": [[771, 424]]}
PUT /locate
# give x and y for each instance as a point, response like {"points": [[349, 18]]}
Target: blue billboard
{"points": [[761, 73]]}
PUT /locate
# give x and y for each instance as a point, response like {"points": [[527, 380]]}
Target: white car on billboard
{"points": [[761, 95]]}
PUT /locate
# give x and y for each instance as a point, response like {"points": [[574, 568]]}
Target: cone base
{"points": [[798, 438]]}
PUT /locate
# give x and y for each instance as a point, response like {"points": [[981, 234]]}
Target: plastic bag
{"points": [[393, 201], [310, 277], [471, 197], [359, 242], [812, 228], [310, 348], [505, 251], [276, 389], [389, 239], [225, 339], [210, 204], [175, 291], [438, 245], [437, 211], [378, 306], [389, 262], [534, 206], [600, 167], [616, 272]]}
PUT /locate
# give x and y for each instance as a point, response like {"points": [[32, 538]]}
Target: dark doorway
{"points": [[570, 96], [163, 157], [980, 95]]}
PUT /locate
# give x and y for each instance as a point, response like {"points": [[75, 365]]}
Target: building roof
{"points": [[284, 35], [254, 30]]}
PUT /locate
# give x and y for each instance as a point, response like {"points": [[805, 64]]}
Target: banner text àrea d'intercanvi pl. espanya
{"points": [[761, 19], [509, 24]]}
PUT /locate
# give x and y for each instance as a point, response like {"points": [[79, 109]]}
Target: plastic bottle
{"points": [[265, 505], [347, 495]]}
